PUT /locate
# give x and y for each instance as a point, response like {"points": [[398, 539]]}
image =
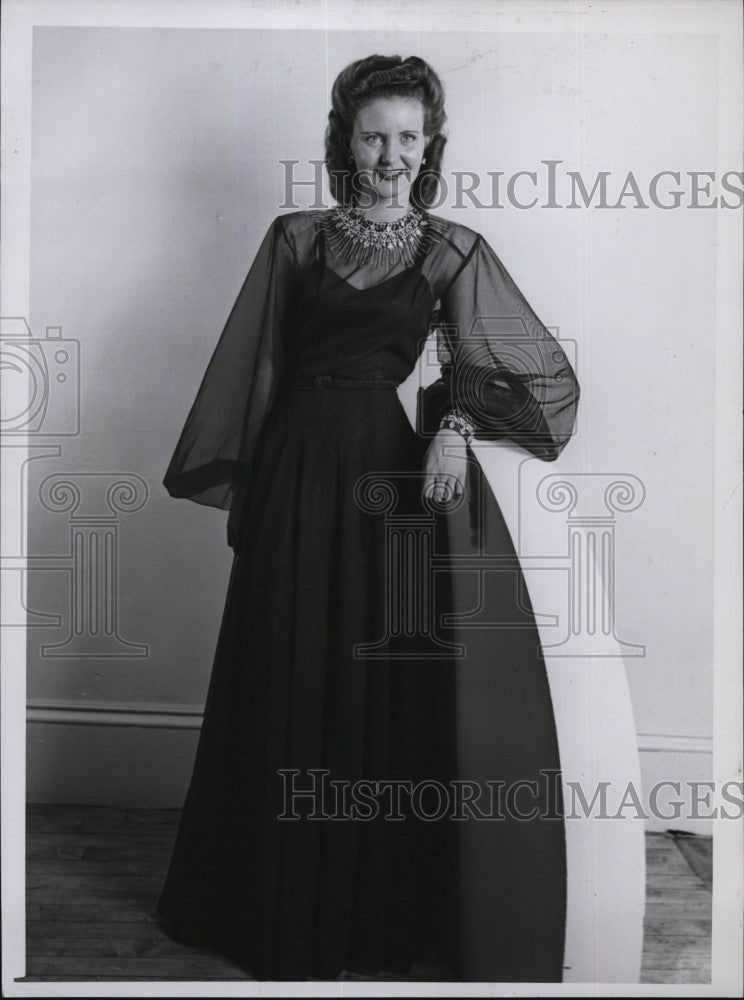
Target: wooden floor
{"points": [[677, 929], [93, 877]]}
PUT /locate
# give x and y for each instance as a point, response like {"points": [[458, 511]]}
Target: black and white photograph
{"points": [[371, 498]]}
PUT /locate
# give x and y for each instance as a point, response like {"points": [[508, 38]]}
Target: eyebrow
{"points": [[377, 131]]}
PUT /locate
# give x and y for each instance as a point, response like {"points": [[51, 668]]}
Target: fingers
{"points": [[441, 488]]}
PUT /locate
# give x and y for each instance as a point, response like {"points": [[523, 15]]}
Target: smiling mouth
{"points": [[389, 175]]}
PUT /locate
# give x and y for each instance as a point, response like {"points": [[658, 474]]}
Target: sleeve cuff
{"points": [[457, 420]]}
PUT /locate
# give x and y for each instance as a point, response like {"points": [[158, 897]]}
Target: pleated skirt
{"points": [[337, 685]]}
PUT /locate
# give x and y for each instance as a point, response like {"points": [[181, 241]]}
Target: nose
{"points": [[388, 153]]}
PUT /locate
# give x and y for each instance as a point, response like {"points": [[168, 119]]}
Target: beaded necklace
{"points": [[351, 236]]}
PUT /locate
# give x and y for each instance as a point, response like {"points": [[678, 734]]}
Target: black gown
{"points": [[347, 650]]}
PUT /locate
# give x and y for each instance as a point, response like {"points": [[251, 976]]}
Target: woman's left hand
{"points": [[445, 466]]}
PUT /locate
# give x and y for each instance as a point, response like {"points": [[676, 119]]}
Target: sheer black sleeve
{"points": [[499, 365], [212, 460]]}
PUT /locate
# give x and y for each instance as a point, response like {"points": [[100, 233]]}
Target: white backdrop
{"points": [[156, 169]]}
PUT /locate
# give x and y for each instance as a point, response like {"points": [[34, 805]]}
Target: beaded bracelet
{"points": [[456, 420]]}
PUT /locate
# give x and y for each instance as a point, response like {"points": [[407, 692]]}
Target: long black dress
{"points": [[336, 660]]}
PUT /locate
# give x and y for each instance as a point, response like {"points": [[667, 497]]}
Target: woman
{"points": [[334, 660]]}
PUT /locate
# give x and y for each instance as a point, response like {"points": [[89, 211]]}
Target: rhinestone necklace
{"points": [[351, 236]]}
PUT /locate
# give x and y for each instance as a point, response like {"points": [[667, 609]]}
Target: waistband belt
{"points": [[334, 382]]}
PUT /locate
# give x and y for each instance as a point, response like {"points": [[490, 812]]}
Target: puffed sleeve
{"points": [[500, 367], [212, 459]]}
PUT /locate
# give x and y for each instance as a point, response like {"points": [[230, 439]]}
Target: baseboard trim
{"points": [[190, 717], [112, 714], [666, 743]]}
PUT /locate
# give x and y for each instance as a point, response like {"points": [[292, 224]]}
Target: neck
{"points": [[385, 211]]}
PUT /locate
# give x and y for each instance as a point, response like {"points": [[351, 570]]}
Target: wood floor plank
{"points": [[154, 817], [133, 852], [100, 848], [78, 950], [50, 867], [167, 948], [95, 897], [682, 909], [183, 967], [666, 927], [693, 960], [677, 925], [148, 835], [673, 881], [45, 930], [127, 979], [51, 817], [90, 912], [693, 890], [68, 884], [680, 944], [123, 907], [669, 861], [75, 822], [154, 836], [673, 977], [94, 876], [698, 852], [82, 947]]}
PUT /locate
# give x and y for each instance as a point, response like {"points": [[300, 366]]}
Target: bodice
{"points": [[352, 332], [305, 310]]}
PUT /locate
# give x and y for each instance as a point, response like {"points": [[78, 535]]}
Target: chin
{"points": [[387, 189], [384, 190]]}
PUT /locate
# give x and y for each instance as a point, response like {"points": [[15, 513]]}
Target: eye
{"points": [[408, 138], [372, 140]]}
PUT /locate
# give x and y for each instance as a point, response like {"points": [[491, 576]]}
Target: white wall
{"points": [[155, 172]]}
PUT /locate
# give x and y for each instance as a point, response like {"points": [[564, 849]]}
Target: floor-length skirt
{"points": [[337, 668]]}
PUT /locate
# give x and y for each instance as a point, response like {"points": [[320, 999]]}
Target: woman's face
{"points": [[388, 144]]}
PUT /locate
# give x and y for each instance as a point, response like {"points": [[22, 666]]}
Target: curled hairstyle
{"points": [[384, 76]]}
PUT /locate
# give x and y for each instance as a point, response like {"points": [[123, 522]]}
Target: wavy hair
{"points": [[384, 76]]}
